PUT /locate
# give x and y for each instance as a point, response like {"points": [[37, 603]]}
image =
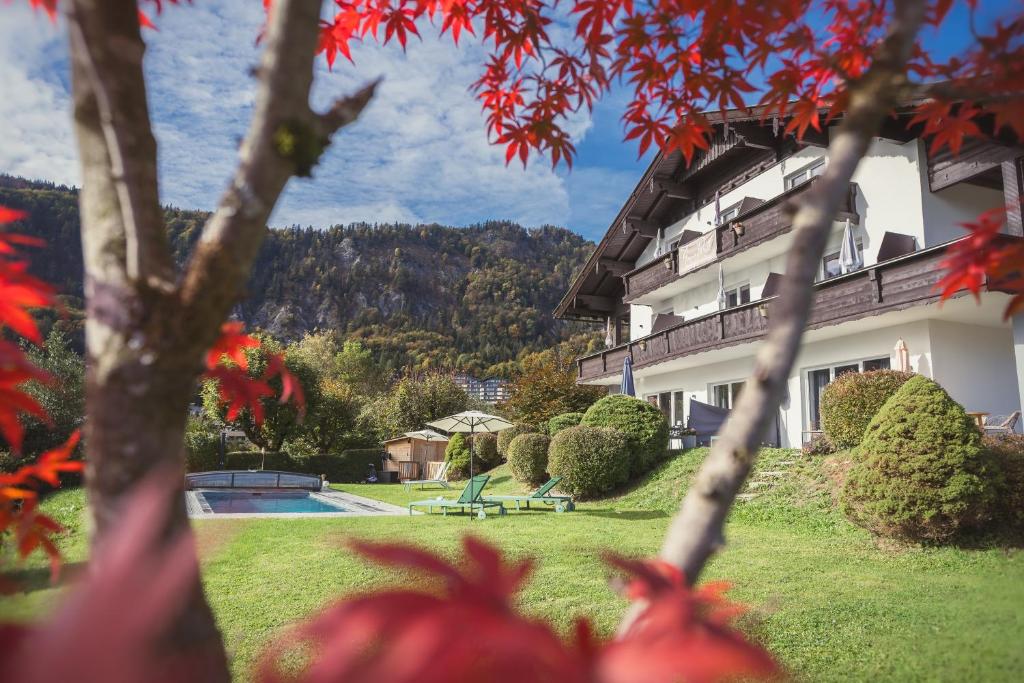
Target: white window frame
{"points": [[672, 417], [822, 276], [730, 383], [736, 289], [831, 367], [804, 174]]}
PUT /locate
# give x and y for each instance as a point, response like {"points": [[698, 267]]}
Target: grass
{"points": [[828, 599]]}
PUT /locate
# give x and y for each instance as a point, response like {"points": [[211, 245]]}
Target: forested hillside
{"points": [[419, 296]]}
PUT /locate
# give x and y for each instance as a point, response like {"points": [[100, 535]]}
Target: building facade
{"points": [[490, 390], [684, 278]]}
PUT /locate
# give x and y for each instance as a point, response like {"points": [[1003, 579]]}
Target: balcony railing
{"points": [[761, 223], [887, 286]]}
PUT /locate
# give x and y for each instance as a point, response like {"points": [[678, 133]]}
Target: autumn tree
{"points": [[808, 62], [546, 386]]}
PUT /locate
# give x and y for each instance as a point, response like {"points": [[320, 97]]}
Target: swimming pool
{"points": [[250, 502]]}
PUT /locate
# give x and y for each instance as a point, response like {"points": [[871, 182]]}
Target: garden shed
{"points": [[411, 453]]}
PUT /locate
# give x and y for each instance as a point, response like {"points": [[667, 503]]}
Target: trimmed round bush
{"points": [[1007, 457], [590, 460], [505, 436], [486, 448], [560, 422], [528, 457], [849, 403], [457, 454], [643, 425], [920, 473]]}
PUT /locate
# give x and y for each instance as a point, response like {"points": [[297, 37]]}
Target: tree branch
{"points": [[697, 530], [285, 138], [108, 52]]}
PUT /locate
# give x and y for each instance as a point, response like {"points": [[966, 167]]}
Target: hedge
{"points": [[486, 448], [1007, 457], [563, 421], [643, 425], [920, 473], [528, 457], [505, 436], [348, 466], [849, 403], [456, 454], [590, 460]]}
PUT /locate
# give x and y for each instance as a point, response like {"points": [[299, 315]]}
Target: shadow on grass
{"points": [[612, 513], [31, 579]]}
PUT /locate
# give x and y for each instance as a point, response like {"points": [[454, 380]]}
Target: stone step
{"points": [[759, 484], [746, 496], [786, 462], [775, 473]]}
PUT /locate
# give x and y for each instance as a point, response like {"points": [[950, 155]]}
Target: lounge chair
{"points": [[1001, 424], [470, 498], [440, 478], [543, 495]]}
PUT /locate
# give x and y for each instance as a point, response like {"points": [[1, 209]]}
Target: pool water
{"points": [[269, 501]]}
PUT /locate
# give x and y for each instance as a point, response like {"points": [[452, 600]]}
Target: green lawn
{"points": [[828, 599]]}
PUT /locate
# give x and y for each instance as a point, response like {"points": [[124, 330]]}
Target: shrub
{"points": [[528, 457], [505, 437], [849, 403], [352, 465], [457, 454], [486, 448], [560, 422], [590, 460], [644, 426], [1007, 457], [202, 445], [819, 445], [920, 472]]}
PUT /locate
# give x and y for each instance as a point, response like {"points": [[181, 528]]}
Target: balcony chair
{"points": [[998, 425]]}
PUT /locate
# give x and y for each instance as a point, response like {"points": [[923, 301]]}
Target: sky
{"points": [[419, 153]]}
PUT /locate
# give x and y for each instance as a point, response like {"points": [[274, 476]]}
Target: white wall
{"points": [[945, 210], [696, 382], [976, 365], [641, 318]]}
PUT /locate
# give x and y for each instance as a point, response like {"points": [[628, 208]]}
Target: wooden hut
{"points": [[411, 454]]}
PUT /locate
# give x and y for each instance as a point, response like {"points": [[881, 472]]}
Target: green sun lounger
{"points": [[542, 495], [470, 499], [441, 478]]}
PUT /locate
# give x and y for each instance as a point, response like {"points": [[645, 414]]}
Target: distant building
{"points": [[491, 390]]}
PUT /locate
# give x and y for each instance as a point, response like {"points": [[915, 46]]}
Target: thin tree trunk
{"points": [[697, 530], [145, 333]]}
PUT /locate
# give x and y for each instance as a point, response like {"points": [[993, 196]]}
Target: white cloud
{"points": [[419, 153], [35, 126]]}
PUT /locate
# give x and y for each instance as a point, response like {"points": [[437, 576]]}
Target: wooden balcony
{"points": [[891, 285], [764, 222]]}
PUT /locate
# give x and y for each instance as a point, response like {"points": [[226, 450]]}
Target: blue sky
{"points": [[418, 154]]}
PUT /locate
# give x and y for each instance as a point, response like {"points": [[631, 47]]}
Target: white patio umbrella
{"points": [[849, 256], [427, 435], [902, 356], [721, 287], [471, 422]]}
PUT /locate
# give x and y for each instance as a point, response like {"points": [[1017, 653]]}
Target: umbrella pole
{"points": [[471, 449]]}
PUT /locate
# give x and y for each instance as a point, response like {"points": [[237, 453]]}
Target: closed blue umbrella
{"points": [[627, 378]]}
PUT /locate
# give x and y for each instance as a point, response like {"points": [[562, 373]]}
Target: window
{"points": [[737, 296], [818, 379], [678, 409], [830, 265], [813, 169], [727, 215], [725, 395]]}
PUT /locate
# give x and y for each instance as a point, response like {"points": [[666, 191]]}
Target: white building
{"points": [[653, 280]]}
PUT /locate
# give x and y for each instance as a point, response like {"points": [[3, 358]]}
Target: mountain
{"points": [[420, 296]]}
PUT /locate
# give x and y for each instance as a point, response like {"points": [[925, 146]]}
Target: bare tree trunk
{"points": [[145, 332], [697, 531]]}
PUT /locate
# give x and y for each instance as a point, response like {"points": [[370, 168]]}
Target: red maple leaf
{"points": [[231, 345]]}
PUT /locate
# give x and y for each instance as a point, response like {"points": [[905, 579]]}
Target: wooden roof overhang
{"points": [[743, 143]]}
